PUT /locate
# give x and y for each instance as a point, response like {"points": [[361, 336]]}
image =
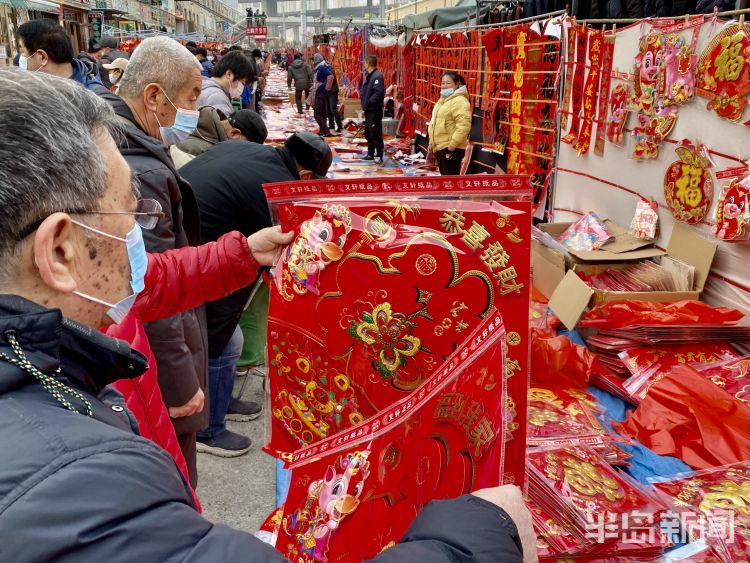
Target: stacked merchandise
{"points": [[712, 509], [642, 342], [585, 510], [396, 336]]}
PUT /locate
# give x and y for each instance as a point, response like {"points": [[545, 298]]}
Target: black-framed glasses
{"points": [[147, 214]]}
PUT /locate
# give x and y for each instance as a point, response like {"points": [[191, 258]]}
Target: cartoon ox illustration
{"points": [[329, 501], [320, 241]]}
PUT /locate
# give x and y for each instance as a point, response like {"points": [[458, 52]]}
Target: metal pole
{"points": [[303, 27], [283, 21]]}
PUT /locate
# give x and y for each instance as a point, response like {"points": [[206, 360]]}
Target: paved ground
{"points": [[240, 491]]}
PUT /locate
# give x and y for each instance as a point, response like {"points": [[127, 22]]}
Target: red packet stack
{"points": [[355, 493], [562, 417], [650, 364], [713, 506], [595, 504], [384, 280], [731, 375]]}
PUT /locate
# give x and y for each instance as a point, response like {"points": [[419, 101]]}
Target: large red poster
{"points": [[385, 279], [355, 493]]}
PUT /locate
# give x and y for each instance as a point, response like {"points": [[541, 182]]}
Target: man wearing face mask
{"points": [[230, 75], [215, 127], [157, 106], [45, 47], [114, 71]]}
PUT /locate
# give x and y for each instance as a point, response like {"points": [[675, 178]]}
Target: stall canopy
{"points": [[463, 11]]}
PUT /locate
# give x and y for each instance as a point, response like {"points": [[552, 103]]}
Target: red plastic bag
{"points": [[625, 313], [556, 360], [685, 415]]}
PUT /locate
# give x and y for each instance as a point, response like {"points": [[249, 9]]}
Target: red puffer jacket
{"points": [[177, 280]]}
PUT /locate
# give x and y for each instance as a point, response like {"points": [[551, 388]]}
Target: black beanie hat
{"points": [[311, 152]]}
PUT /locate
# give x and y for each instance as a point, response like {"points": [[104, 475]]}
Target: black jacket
{"points": [[301, 74], [372, 93], [227, 181], [80, 489], [179, 343]]}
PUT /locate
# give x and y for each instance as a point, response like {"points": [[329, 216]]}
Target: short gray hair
{"points": [[49, 158], [159, 60]]}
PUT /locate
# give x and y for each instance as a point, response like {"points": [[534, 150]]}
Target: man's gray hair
{"points": [[159, 60], [49, 159]]}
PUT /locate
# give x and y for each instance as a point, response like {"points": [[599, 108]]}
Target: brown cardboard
{"points": [[570, 299], [572, 296], [548, 268], [693, 249]]}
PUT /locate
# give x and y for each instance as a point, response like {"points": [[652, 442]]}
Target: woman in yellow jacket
{"points": [[450, 124]]}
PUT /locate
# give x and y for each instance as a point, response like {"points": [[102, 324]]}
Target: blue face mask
{"points": [[445, 92], [185, 123], [138, 265]]}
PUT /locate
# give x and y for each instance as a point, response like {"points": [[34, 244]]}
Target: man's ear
{"points": [[235, 133], [55, 252], [153, 97], [43, 57]]}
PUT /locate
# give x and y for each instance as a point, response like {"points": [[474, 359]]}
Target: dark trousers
{"points": [[334, 119], [321, 112], [374, 132], [449, 162], [187, 445], [298, 97]]}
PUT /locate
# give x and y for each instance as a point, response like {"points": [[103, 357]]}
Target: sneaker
{"points": [[378, 160], [243, 411], [226, 444], [339, 130], [368, 157]]}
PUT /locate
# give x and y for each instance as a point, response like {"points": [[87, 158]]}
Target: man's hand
{"points": [[510, 499], [451, 148], [193, 406], [266, 244]]}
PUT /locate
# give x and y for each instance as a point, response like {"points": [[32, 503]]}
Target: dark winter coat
{"points": [[230, 199], [179, 343], [301, 74], [373, 91]]}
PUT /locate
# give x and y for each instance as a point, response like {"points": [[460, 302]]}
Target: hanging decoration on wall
{"points": [[618, 114], [680, 62], [688, 186], [732, 213], [724, 72]]}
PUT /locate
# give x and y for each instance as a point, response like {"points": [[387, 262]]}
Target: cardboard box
{"points": [[572, 296], [351, 107], [550, 266]]}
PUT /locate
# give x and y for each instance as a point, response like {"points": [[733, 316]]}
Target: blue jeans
{"points": [[221, 376]]}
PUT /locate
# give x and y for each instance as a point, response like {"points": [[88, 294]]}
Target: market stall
{"points": [[631, 375]]}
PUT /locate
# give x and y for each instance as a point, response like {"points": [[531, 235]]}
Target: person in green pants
{"points": [[253, 325]]}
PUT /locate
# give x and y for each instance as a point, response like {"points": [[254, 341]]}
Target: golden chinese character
{"points": [[458, 306], [461, 326], [515, 132], [495, 256], [689, 185], [515, 103], [475, 235], [730, 62], [584, 478], [507, 281], [482, 435], [728, 495], [453, 221], [486, 375], [511, 367], [468, 417], [518, 75]]}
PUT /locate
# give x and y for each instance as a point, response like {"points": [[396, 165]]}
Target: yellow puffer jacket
{"points": [[451, 121]]}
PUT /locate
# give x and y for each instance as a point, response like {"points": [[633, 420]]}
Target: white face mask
{"points": [[185, 123], [113, 78], [235, 91], [23, 62]]}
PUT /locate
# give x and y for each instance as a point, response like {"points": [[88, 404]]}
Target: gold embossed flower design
{"points": [[389, 335]]}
